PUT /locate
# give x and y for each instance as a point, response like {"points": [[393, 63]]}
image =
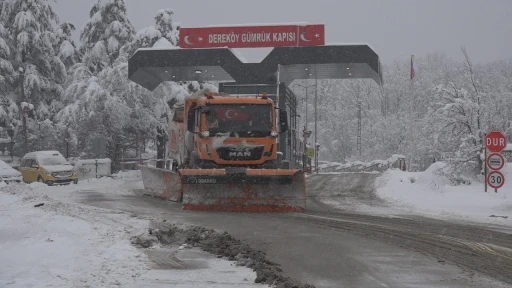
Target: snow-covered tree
{"points": [[105, 33], [441, 115], [38, 72], [8, 108], [167, 27], [98, 96], [151, 110], [64, 46], [6, 69], [459, 118]]}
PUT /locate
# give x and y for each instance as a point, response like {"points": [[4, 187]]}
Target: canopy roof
{"points": [[151, 66]]}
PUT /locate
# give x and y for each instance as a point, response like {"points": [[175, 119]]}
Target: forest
{"points": [[75, 94]]}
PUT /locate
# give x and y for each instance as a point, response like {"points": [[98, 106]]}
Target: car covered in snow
{"points": [[9, 174], [48, 167]]}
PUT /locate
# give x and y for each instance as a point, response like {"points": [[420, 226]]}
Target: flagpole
{"points": [[412, 70], [411, 105]]}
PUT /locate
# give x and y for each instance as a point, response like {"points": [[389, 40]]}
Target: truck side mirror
{"points": [[191, 120], [283, 121]]}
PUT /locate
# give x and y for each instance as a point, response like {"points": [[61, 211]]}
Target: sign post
{"points": [[495, 142]]}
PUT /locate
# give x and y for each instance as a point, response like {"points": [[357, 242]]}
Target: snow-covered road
{"points": [[65, 244], [323, 247]]}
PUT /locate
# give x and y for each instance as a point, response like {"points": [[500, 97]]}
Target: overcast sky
{"points": [[393, 28]]}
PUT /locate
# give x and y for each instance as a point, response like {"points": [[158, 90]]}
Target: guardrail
{"points": [[396, 161], [148, 162], [167, 163]]}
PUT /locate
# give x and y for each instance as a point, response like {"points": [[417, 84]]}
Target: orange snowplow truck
{"points": [[224, 154]]}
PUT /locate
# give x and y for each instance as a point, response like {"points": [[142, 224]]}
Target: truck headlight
{"points": [[205, 133], [274, 133]]}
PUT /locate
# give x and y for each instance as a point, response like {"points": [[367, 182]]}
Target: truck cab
{"points": [[224, 130]]}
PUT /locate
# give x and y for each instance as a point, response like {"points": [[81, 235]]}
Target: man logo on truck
{"points": [[240, 154]]}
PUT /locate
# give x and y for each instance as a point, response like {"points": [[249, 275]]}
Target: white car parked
{"points": [[9, 174]]}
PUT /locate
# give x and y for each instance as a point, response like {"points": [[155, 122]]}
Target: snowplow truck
{"points": [[224, 156]]}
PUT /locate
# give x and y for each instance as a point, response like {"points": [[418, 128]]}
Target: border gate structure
{"points": [[149, 67]]}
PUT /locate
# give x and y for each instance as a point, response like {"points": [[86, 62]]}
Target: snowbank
{"points": [[49, 243], [42, 246], [433, 194]]}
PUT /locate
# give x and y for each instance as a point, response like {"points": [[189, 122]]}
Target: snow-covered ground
{"points": [[63, 244], [430, 193]]}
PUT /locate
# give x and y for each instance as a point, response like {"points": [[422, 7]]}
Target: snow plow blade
{"points": [[245, 190], [161, 183]]}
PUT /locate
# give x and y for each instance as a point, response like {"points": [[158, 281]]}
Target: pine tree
{"points": [[8, 108], [105, 33], [167, 27], [39, 72], [6, 69], [100, 101], [64, 46], [151, 117]]}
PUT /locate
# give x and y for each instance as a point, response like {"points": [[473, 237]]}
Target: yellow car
{"points": [[48, 167]]}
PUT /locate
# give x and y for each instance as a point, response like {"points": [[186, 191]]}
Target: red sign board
{"points": [[495, 161], [253, 36], [495, 179], [495, 141]]}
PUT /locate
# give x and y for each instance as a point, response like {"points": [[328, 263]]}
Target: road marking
{"points": [[382, 284], [478, 246], [337, 220], [395, 216]]}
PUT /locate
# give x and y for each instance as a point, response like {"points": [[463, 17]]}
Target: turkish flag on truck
{"points": [[231, 114]]}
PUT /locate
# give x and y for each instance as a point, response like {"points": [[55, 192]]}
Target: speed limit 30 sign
{"points": [[495, 179]]}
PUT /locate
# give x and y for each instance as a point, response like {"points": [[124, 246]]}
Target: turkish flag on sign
{"points": [[311, 35]]}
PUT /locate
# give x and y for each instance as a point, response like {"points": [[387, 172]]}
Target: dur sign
{"points": [[253, 36], [495, 141]]}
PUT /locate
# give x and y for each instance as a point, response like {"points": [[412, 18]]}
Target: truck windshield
{"points": [[253, 120]]}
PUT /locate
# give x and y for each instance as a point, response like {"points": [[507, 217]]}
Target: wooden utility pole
{"points": [[359, 121], [316, 122]]}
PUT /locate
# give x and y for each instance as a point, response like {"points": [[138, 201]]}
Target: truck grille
{"points": [[233, 154]]}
